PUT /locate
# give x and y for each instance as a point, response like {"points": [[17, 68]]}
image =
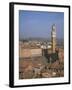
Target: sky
{"points": [[34, 24]]}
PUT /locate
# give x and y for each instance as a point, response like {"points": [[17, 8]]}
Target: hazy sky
{"points": [[39, 24]]}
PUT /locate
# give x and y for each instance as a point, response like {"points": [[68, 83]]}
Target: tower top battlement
{"points": [[54, 27]]}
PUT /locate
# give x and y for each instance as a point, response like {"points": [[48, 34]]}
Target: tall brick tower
{"points": [[53, 37]]}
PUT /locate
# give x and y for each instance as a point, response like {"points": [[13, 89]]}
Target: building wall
{"points": [[36, 52], [23, 53]]}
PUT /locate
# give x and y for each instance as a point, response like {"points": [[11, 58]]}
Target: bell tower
{"points": [[53, 37]]}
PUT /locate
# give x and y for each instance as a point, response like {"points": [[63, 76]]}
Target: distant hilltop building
{"points": [[53, 37]]}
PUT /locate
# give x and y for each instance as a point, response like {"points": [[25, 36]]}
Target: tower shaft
{"points": [[53, 44]]}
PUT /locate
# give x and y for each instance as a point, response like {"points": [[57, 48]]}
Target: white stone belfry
{"points": [[53, 37]]}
